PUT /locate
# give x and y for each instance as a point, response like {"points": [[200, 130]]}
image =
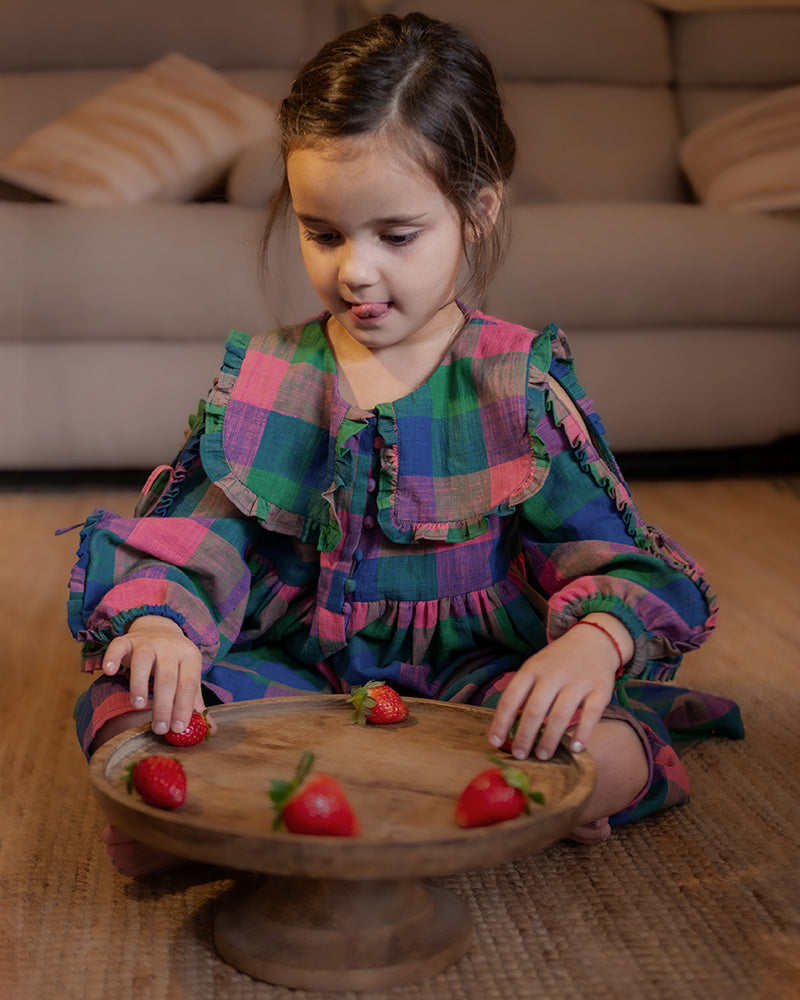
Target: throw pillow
{"points": [[257, 173], [167, 132], [748, 158]]}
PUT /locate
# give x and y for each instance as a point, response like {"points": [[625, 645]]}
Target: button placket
{"points": [[365, 455]]}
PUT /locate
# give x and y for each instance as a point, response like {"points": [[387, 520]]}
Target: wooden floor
{"points": [[702, 902]]}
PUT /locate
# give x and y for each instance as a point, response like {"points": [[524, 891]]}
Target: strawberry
{"points": [[377, 702], [197, 731], [320, 807], [511, 734], [161, 781], [495, 795]]}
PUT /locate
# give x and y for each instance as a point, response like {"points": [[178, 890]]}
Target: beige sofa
{"points": [[684, 312]]}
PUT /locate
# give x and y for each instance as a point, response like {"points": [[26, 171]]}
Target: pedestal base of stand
{"points": [[342, 935]]}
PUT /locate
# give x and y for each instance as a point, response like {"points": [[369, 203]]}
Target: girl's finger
{"points": [[142, 665], [164, 687], [510, 705], [116, 654], [537, 709], [559, 719], [591, 714], [187, 692]]}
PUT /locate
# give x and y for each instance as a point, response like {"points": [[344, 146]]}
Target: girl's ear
{"points": [[488, 203]]}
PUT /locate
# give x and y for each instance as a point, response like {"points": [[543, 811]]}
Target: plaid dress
{"points": [[436, 541]]}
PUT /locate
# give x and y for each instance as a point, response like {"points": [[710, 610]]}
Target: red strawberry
{"points": [[197, 731], [161, 781], [377, 702], [320, 807], [511, 734], [495, 795]]}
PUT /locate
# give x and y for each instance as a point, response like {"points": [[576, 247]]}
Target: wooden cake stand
{"points": [[337, 913]]}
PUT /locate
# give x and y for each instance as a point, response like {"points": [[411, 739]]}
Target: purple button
{"points": [[346, 608], [371, 485], [369, 521]]}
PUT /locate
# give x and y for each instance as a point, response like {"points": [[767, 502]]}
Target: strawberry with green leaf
{"points": [[496, 795], [315, 806], [376, 702]]}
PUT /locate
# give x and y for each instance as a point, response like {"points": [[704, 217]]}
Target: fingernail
{"points": [[542, 754], [108, 666], [138, 702], [160, 728], [178, 727], [495, 741], [520, 754], [576, 746]]}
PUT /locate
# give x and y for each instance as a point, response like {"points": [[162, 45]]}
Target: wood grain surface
{"points": [[403, 781]]}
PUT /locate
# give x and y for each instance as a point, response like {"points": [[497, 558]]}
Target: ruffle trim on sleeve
{"points": [[96, 640], [76, 613], [586, 438]]}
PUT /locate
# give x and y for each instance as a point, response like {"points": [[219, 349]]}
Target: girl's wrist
{"points": [[617, 637]]}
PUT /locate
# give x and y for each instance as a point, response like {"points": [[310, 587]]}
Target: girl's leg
{"points": [[623, 770], [131, 857], [103, 711]]}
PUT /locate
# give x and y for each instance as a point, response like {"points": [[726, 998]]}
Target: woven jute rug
{"points": [[700, 902]]}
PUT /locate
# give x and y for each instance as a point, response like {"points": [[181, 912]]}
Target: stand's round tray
{"points": [[365, 894]]}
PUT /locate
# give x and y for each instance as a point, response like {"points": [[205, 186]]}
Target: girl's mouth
{"points": [[366, 312]]}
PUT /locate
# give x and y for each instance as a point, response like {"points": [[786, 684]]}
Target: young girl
{"points": [[400, 488]]}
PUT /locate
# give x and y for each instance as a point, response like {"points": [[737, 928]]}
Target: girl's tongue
{"points": [[370, 310]]}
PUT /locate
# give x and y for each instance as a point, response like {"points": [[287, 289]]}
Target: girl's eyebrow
{"points": [[395, 220]]}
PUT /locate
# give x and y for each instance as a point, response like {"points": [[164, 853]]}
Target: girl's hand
{"points": [[574, 672], [157, 646]]}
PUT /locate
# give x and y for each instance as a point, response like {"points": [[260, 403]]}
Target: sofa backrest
{"points": [[587, 88], [725, 58], [100, 34]]}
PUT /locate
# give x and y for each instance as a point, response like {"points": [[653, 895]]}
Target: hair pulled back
{"points": [[422, 83]]}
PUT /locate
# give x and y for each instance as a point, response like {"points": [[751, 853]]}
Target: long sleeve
{"points": [[185, 559], [587, 547]]}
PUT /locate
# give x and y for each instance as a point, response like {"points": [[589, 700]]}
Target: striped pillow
{"points": [[167, 132], [748, 159]]}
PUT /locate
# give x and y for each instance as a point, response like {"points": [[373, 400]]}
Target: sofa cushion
{"points": [[578, 142], [86, 34], [166, 132], [157, 272], [698, 105], [737, 48], [616, 41], [749, 158], [617, 266]]}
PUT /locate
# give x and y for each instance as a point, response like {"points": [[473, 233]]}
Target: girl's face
{"points": [[382, 245]]}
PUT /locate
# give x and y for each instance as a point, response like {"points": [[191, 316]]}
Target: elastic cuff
{"points": [[96, 640]]}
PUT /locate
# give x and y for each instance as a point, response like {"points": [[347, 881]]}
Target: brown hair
{"points": [[428, 85]]}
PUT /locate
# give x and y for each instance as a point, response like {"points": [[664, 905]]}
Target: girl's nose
{"points": [[356, 266]]}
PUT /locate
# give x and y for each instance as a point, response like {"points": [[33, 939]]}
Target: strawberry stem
{"points": [[519, 780], [281, 791], [361, 700]]}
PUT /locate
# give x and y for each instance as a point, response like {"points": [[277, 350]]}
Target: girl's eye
{"points": [[400, 239], [324, 239]]}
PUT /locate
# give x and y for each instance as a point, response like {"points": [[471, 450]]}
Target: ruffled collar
{"points": [[456, 449]]}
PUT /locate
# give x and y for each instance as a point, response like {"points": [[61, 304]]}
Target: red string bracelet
{"points": [[610, 637]]}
